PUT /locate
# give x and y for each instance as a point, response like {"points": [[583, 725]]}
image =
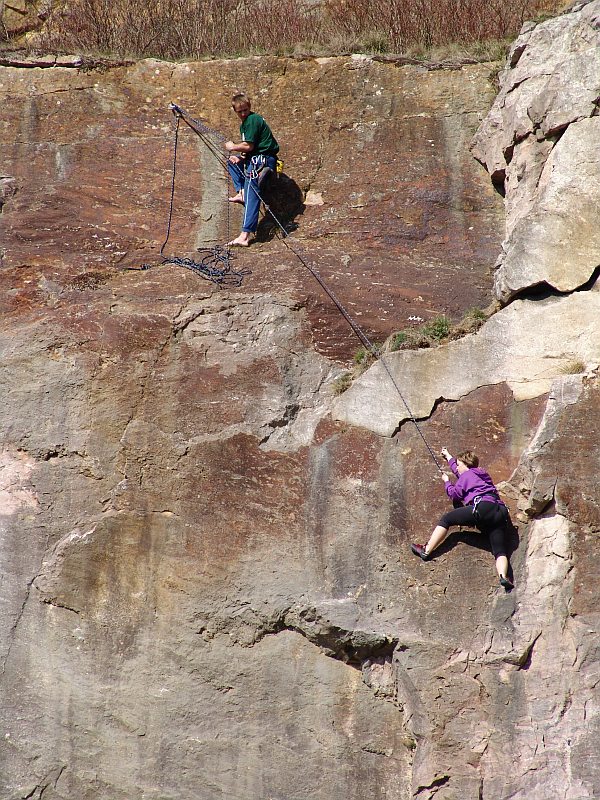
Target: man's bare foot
{"points": [[242, 241], [238, 198]]}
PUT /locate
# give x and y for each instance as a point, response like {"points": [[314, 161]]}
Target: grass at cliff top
{"points": [[198, 29]]}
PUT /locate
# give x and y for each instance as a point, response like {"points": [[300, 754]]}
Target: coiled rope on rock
{"points": [[215, 264], [227, 277]]}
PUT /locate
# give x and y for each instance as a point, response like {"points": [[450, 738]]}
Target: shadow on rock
{"points": [[474, 538], [285, 199]]}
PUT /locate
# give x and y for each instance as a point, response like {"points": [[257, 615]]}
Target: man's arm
{"points": [[243, 148]]}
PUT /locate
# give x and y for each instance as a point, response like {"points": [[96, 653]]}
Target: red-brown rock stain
{"points": [[204, 399], [574, 458], [242, 499]]}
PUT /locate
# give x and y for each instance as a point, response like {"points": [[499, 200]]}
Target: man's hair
{"points": [[468, 458], [240, 99]]}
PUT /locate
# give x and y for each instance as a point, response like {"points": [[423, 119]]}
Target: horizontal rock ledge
{"points": [[525, 345]]}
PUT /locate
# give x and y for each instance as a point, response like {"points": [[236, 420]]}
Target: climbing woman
{"points": [[477, 504]]}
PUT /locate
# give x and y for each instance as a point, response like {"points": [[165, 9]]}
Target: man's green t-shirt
{"points": [[254, 129]]}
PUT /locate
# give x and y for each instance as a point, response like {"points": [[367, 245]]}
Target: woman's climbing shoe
{"points": [[419, 550], [508, 585]]}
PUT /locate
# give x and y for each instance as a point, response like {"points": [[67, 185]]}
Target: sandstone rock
{"points": [[535, 487], [8, 187], [207, 604], [525, 345], [18, 18], [545, 109], [207, 586], [19, 60], [558, 241], [105, 148]]}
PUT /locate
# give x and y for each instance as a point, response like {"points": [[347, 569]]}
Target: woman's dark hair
{"points": [[468, 458]]}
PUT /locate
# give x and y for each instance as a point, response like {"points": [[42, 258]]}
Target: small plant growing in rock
{"points": [[341, 383], [397, 340], [575, 367], [361, 356], [438, 328], [477, 314], [471, 322], [414, 339]]}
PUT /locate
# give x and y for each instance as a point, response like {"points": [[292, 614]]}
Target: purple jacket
{"points": [[475, 482]]}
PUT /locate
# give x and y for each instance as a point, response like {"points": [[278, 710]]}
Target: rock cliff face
{"points": [[540, 143], [206, 588]]}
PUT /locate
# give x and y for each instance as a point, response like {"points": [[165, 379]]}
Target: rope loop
{"points": [[215, 266]]}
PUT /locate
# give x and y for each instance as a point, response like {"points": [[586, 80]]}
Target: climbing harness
{"points": [[228, 277], [256, 168], [479, 498]]}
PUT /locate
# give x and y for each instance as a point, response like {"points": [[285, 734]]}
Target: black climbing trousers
{"points": [[492, 519]]}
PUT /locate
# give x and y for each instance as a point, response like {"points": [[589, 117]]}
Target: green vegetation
{"points": [[471, 322], [184, 29], [476, 314], [437, 329], [363, 358], [425, 335], [397, 340], [431, 333]]}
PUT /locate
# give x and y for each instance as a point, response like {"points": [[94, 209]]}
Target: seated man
{"points": [[247, 163]]}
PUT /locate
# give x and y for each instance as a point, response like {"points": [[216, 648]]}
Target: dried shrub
{"points": [[174, 29], [575, 367], [341, 383]]}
